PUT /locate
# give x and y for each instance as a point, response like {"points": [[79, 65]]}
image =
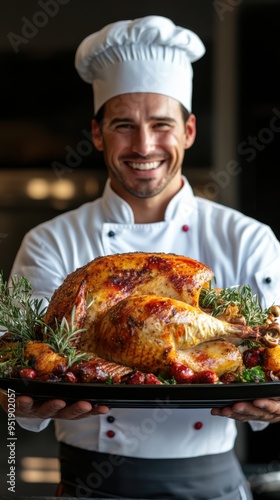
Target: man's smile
{"points": [[144, 165]]}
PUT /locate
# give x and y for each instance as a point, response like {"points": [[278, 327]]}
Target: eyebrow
{"points": [[114, 121]]}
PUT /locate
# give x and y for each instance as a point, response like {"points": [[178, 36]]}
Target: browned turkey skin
{"points": [[45, 361], [96, 287], [141, 311], [141, 319], [217, 357], [153, 333]]}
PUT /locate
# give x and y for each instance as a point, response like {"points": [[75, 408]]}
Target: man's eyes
{"points": [[162, 125], [155, 126], [124, 126]]}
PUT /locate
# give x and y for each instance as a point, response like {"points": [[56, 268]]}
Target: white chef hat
{"points": [[149, 54]]}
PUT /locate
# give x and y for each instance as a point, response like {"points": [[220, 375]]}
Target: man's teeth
{"points": [[144, 166]]}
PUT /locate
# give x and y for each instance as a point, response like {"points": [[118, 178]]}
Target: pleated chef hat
{"points": [[149, 54]]}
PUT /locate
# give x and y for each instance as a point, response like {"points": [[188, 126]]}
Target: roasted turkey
{"points": [[96, 287], [219, 357], [45, 361], [138, 318], [153, 332], [43, 358], [141, 311]]}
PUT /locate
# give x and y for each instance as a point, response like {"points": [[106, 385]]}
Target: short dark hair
{"points": [[100, 114], [185, 113]]}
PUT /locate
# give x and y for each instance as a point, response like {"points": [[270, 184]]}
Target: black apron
{"points": [[88, 474]]}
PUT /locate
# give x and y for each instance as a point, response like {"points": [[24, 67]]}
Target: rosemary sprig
{"points": [[20, 313], [11, 357], [63, 337], [243, 297], [22, 316], [165, 381]]}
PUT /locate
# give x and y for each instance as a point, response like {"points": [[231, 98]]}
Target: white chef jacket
{"points": [[239, 249]]}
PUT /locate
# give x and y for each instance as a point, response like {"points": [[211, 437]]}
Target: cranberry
{"points": [[207, 377], [182, 373], [70, 377], [253, 357], [228, 378], [136, 378], [150, 378], [28, 373]]}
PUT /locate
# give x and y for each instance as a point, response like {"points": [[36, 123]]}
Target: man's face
{"points": [[143, 138]]}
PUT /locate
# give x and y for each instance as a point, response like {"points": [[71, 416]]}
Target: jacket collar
{"points": [[119, 211]]}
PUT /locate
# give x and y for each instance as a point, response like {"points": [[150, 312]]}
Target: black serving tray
{"points": [[144, 396]]}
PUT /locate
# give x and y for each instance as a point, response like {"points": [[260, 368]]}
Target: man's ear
{"points": [[190, 131], [96, 133]]}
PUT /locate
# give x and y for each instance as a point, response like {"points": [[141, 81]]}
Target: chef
{"points": [[141, 72]]}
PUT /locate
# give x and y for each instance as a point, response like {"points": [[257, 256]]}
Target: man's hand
{"points": [[264, 410], [54, 408]]}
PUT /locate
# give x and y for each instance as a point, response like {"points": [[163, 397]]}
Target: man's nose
{"points": [[144, 141]]}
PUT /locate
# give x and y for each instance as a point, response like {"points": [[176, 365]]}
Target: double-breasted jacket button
{"points": [[110, 434], [110, 419]]}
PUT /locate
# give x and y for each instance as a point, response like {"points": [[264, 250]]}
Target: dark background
{"points": [[259, 96], [46, 108]]}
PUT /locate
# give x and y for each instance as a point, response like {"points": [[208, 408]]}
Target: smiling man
{"points": [[143, 148], [141, 72]]}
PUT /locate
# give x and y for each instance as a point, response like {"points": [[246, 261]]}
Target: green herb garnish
{"points": [[249, 343], [20, 313], [11, 357], [169, 381], [243, 297], [22, 316], [63, 338], [255, 374]]}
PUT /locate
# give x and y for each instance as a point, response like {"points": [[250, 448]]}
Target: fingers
{"points": [[270, 407], [27, 407], [242, 412], [56, 409], [79, 410], [264, 410]]}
